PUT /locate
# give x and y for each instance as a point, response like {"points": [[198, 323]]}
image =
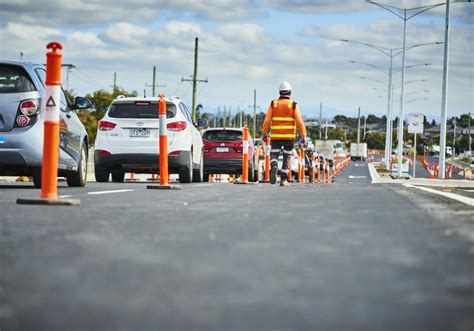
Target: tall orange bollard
{"points": [[318, 170], [311, 178], [267, 160], [163, 143], [51, 105], [298, 179], [245, 157]]}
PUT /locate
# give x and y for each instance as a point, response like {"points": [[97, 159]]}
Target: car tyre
{"points": [[101, 175], [79, 178], [186, 173], [198, 174], [118, 177]]}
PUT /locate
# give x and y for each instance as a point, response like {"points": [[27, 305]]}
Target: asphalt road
{"points": [[343, 256]]}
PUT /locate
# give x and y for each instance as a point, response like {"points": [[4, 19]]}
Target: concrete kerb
{"points": [[49, 202], [376, 179]]}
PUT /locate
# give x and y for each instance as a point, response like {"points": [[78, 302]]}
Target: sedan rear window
{"points": [[228, 135], [140, 110], [14, 79]]}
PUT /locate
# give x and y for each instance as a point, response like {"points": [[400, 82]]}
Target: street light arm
{"points": [[412, 66], [370, 65], [423, 9], [382, 50], [419, 45], [374, 80], [391, 9]]}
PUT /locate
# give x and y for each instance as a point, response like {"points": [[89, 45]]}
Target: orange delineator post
{"points": [[267, 159], [318, 170], [245, 156], [298, 176], [163, 142], [311, 178], [49, 170]]}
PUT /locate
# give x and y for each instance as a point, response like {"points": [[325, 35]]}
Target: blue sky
{"points": [[245, 45]]}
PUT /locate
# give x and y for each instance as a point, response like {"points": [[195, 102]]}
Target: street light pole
{"points": [[388, 130], [444, 101]]}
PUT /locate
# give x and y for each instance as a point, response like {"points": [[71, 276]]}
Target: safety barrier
{"points": [[245, 158], [267, 160], [51, 111], [163, 144], [311, 176]]}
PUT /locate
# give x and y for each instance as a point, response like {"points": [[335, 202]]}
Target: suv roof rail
{"points": [[120, 97]]}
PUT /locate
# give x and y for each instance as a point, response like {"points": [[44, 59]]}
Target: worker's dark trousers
{"points": [[285, 147]]}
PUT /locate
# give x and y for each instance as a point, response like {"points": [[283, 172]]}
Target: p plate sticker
{"points": [[2, 139], [22, 120]]}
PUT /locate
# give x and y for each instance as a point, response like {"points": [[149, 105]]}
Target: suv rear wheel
{"points": [[118, 177], [101, 175], [186, 173], [198, 174], [79, 178]]}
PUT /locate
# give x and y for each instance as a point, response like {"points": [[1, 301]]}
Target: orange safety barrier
{"points": [[51, 105], [267, 159], [311, 178], [163, 144], [298, 176], [318, 170], [245, 157]]}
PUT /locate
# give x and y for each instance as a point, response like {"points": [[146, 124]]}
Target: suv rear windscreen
{"points": [[14, 79], [140, 110], [229, 135]]}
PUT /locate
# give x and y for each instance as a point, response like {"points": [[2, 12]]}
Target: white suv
{"points": [[128, 140]]}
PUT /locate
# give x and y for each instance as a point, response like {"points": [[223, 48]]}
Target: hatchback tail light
{"points": [[175, 153], [104, 152], [177, 126], [28, 107], [106, 126]]}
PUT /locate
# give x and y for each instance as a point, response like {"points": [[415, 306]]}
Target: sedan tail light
{"points": [[106, 126], [177, 126], [28, 107]]}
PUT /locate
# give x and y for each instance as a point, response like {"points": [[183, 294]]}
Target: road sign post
{"points": [[415, 126]]}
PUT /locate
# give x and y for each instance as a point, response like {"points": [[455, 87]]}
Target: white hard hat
{"points": [[285, 86]]}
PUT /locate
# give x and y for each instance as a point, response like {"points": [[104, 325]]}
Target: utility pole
{"points": [[21, 56], [154, 85], [68, 67], [115, 83], [194, 78], [358, 127], [444, 100], [240, 116], [320, 119], [365, 125], [326, 131], [254, 112]]}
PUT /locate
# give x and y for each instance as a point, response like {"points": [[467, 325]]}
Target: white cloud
{"points": [[26, 31], [86, 38], [242, 34], [126, 34]]}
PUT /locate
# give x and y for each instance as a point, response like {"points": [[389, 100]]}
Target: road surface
{"points": [[343, 256]]}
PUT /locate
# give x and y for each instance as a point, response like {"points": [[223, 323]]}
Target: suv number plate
{"points": [[222, 149], [139, 133]]}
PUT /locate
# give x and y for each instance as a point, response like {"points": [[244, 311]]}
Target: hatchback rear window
{"points": [[140, 110], [14, 79], [229, 135]]}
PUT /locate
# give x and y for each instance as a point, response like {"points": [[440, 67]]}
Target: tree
{"points": [[375, 140], [336, 134]]}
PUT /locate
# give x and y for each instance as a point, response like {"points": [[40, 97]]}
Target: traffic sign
{"points": [[415, 123]]}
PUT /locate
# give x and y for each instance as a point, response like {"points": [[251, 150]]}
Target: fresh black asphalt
{"points": [[343, 256]]}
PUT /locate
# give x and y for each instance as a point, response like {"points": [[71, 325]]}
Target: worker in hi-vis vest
{"points": [[283, 117]]}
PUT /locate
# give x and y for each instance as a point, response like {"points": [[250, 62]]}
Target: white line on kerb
{"points": [[108, 192], [64, 196], [460, 198]]}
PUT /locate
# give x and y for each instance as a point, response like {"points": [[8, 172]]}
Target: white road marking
{"points": [[356, 177], [198, 185], [360, 165], [108, 192], [460, 198], [64, 196]]}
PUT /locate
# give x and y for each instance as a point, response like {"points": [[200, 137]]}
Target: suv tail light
{"points": [[28, 107], [239, 147], [177, 126], [106, 126]]}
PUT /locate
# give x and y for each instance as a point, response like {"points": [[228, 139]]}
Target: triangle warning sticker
{"points": [[50, 102]]}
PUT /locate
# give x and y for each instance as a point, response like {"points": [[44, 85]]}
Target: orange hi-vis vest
{"points": [[284, 116]]}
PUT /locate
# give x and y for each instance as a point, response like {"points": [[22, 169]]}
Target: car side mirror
{"points": [[202, 123], [81, 103]]}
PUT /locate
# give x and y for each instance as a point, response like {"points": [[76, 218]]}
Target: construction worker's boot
{"points": [[273, 174], [284, 182]]}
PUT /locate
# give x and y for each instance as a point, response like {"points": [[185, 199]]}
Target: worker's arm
{"points": [[268, 119], [299, 122]]}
